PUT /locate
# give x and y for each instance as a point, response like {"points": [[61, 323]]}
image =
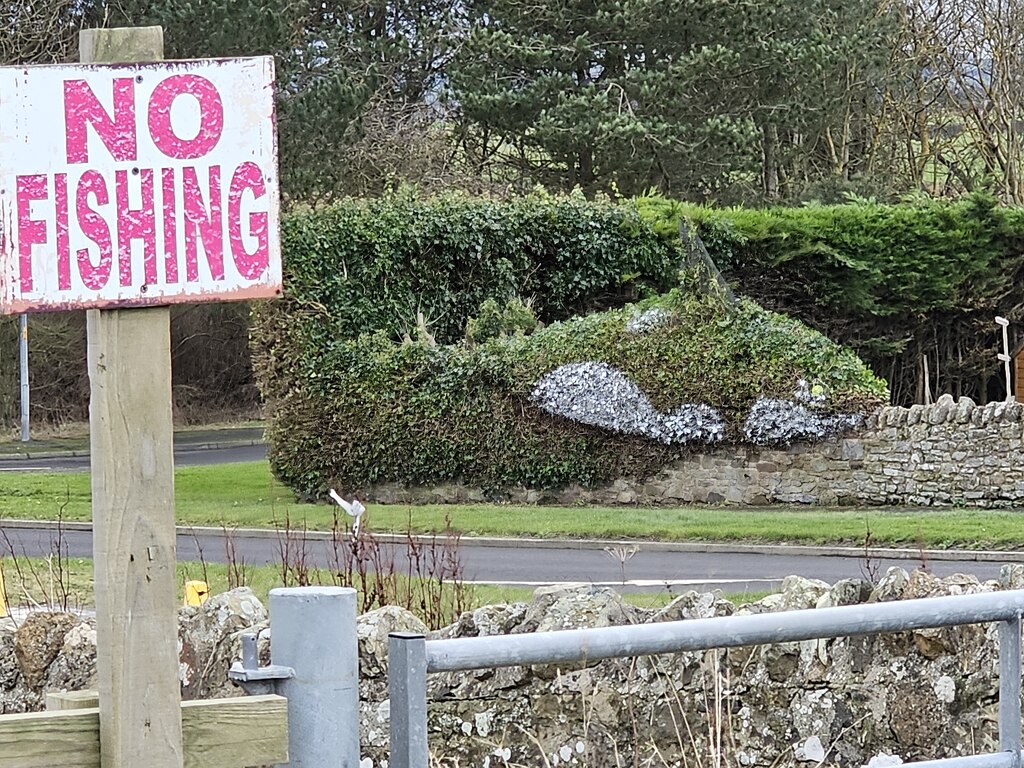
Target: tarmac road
{"points": [[525, 563], [184, 456], [518, 562]]}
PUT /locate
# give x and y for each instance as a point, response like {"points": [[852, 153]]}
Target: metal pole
{"points": [[313, 631], [1009, 688], [407, 692], [23, 354], [992, 760], [725, 632]]}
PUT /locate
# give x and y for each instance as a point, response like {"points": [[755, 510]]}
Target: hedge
{"points": [[377, 264], [892, 282], [403, 351], [408, 266], [372, 410]]}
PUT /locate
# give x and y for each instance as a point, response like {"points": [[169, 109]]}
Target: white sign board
{"points": [[138, 184]]}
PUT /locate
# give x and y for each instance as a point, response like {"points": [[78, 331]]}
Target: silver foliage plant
{"points": [[773, 421], [600, 395], [693, 424], [642, 322]]}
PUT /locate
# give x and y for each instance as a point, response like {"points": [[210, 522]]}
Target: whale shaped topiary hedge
{"points": [[581, 401]]}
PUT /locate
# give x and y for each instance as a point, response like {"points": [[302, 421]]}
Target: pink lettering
{"points": [[82, 108], [60, 190], [135, 224], [211, 116], [30, 231], [203, 224], [251, 265], [95, 228], [170, 226]]}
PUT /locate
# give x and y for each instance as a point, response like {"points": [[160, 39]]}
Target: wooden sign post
{"points": [[131, 445], [127, 184]]}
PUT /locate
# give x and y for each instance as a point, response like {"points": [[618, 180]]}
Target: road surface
{"points": [[530, 566], [184, 456]]}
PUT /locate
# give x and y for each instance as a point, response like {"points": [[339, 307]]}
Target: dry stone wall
{"points": [[52, 652], [877, 700], [846, 702], [949, 453]]}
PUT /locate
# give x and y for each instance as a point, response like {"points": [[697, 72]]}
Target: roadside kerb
{"points": [[682, 547], [182, 448]]}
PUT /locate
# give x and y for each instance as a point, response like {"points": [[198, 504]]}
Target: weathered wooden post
{"points": [[126, 185], [131, 445]]}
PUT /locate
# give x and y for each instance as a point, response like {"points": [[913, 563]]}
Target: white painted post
{"points": [[927, 381], [131, 434], [1004, 357], [313, 631]]}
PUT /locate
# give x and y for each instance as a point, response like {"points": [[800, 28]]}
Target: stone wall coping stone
{"points": [[892, 553]]}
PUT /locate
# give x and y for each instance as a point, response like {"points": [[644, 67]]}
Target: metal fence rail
{"points": [[412, 656]]}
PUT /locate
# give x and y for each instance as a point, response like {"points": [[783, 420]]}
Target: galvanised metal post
{"points": [[407, 692], [724, 632], [313, 631], [23, 358], [1009, 688]]}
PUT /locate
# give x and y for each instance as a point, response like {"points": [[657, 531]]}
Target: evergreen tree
{"points": [[333, 60], [682, 95]]}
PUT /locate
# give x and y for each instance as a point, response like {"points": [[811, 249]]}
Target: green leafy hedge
{"points": [[372, 410], [377, 264], [892, 282], [408, 266], [351, 403]]}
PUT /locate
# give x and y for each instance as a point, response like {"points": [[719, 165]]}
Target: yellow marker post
{"points": [[196, 592]]}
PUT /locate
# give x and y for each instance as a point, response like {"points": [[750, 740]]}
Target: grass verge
{"points": [[39, 582], [247, 495]]}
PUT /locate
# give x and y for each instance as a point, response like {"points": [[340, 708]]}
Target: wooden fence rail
{"points": [[220, 733]]}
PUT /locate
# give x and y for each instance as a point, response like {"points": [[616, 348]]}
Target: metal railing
{"points": [[411, 657]]}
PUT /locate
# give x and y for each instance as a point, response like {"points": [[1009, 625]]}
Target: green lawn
{"points": [[247, 495]]}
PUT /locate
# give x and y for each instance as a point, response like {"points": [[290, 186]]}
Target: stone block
{"points": [[853, 449], [964, 409], [914, 415], [734, 495], [937, 413]]}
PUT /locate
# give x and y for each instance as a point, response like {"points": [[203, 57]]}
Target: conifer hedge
{"points": [[892, 282]]}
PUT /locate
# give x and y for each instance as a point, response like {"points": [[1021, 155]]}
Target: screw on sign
{"points": [[155, 184]]}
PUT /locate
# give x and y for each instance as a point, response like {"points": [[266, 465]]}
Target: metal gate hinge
{"points": [[254, 679]]}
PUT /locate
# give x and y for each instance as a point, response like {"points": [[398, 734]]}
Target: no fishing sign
{"points": [[138, 184]]}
